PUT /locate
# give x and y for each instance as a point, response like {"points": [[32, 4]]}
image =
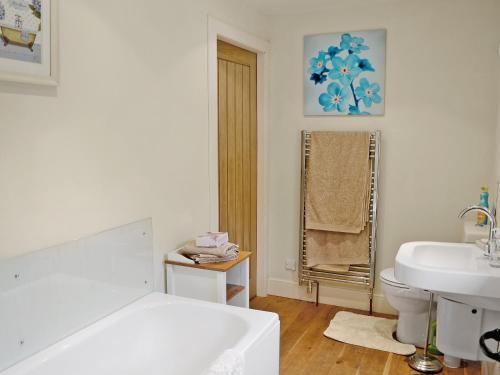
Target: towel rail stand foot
{"points": [[358, 274], [371, 301], [317, 293], [310, 284], [309, 287]]}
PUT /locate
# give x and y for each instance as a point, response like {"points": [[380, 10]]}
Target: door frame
{"points": [[219, 30]]}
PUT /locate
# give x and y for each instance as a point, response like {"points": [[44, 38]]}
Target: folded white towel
{"points": [[190, 248], [174, 256], [207, 258], [231, 362], [212, 239]]}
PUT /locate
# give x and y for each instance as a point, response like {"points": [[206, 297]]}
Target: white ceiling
{"points": [[270, 7]]}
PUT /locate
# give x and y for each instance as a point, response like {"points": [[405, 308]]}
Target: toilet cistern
{"points": [[491, 247]]}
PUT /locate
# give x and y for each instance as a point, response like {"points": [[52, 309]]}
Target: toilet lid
{"points": [[387, 276]]}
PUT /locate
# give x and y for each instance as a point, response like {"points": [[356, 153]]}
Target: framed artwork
{"points": [[344, 73], [28, 41]]}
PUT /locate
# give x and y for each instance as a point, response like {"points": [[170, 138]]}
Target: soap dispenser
{"points": [[484, 198]]}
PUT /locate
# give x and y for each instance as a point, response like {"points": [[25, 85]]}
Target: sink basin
{"points": [[468, 290], [448, 269]]}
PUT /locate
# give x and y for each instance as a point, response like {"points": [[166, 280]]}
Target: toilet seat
{"points": [[387, 276]]}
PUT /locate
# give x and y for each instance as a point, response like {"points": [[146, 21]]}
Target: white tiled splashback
{"points": [[49, 294]]}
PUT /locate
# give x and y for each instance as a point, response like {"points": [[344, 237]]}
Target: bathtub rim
{"points": [[257, 323]]}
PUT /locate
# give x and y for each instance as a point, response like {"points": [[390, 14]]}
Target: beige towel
{"points": [[190, 248], [368, 190], [341, 268], [337, 181], [335, 248]]}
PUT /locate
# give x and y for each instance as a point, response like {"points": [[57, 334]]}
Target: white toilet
{"points": [[412, 304]]}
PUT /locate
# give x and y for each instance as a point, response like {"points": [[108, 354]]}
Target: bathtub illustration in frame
{"points": [[344, 73], [27, 41]]}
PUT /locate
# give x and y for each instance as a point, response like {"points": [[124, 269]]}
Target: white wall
{"points": [[497, 138], [124, 136], [438, 130]]}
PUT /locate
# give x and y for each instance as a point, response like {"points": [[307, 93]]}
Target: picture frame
{"points": [[344, 73], [29, 50]]}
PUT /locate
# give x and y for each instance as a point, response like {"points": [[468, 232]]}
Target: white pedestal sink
{"points": [[467, 286]]}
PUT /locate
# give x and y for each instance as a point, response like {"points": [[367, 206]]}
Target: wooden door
{"points": [[237, 75]]}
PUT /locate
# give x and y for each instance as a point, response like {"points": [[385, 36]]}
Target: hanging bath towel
{"points": [[338, 182], [367, 331], [337, 199]]}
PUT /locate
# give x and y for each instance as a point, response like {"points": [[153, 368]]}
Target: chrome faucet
{"points": [[491, 247]]}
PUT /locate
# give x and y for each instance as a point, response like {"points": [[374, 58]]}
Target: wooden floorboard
{"points": [[304, 350]]}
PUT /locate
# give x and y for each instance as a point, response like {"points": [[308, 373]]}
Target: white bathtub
{"points": [[161, 334]]}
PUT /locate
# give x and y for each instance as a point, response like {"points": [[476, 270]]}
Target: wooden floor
{"points": [[304, 349]]}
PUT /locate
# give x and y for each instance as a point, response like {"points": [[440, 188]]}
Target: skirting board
{"points": [[348, 296]]}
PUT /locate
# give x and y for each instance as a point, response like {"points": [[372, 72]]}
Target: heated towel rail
{"points": [[360, 274]]}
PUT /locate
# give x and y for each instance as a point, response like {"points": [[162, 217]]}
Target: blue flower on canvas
{"points": [[336, 98], [2, 11], [345, 70], [318, 78], [318, 64], [365, 65], [352, 44], [354, 111], [368, 92], [318, 67], [334, 51]]}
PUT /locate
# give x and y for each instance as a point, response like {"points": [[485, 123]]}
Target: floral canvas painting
{"points": [[345, 73]]}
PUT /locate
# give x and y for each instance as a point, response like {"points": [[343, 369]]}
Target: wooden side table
{"points": [[226, 283]]}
